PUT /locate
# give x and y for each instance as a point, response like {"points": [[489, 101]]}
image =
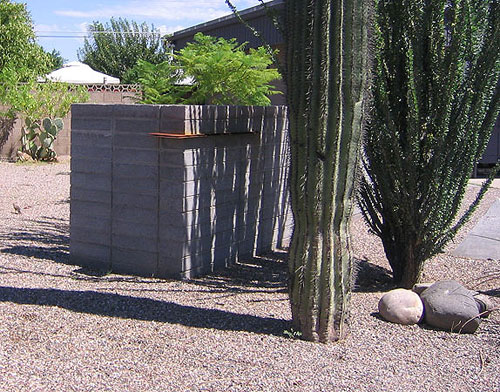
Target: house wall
{"points": [[177, 207], [104, 93]]}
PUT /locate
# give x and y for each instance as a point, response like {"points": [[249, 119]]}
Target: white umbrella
{"points": [[79, 73]]}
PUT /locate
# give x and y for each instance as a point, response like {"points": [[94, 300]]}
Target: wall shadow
{"points": [[144, 309], [48, 240]]}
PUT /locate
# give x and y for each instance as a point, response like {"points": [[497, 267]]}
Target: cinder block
{"points": [[137, 230], [135, 126], [92, 110], [132, 156], [95, 235], [80, 220], [134, 262], [91, 181], [137, 112], [131, 242], [170, 267], [91, 124], [135, 185], [90, 208], [134, 200], [92, 166], [84, 194], [135, 215], [91, 138], [89, 255], [135, 140], [91, 152], [135, 171]]}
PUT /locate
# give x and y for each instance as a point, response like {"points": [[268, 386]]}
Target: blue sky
{"points": [[59, 23]]}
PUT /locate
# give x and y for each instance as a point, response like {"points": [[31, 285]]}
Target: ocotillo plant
{"points": [[327, 69], [436, 98]]}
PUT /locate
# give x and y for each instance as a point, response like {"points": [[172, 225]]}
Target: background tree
{"points": [[18, 47], [115, 47], [210, 70], [56, 60], [436, 98], [327, 74]]}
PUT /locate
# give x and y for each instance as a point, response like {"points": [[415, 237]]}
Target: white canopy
{"points": [[76, 72]]}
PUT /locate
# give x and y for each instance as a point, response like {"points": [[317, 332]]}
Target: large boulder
{"points": [[450, 306], [401, 306]]}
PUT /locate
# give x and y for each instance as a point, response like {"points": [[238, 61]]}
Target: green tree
{"points": [[436, 98], [115, 47], [56, 60], [18, 47], [327, 74], [222, 72], [210, 71]]}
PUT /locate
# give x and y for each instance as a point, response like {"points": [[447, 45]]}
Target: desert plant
{"points": [[327, 75], [436, 98], [38, 138]]}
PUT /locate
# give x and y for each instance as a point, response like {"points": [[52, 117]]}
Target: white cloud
{"points": [[168, 10]]}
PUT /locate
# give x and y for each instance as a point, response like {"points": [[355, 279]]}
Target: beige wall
{"points": [[98, 94]]}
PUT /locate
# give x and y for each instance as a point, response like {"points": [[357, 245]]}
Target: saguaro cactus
{"points": [[327, 70]]}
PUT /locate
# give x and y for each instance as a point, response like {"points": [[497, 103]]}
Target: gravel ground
{"points": [[63, 328]]}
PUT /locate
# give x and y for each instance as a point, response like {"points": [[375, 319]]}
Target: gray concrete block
{"points": [[135, 215], [134, 262], [170, 267], [135, 171], [91, 152], [83, 165], [135, 126], [130, 242], [91, 124], [82, 220], [171, 157], [135, 111], [90, 208], [91, 181], [134, 140], [135, 185], [91, 255], [84, 194], [91, 138], [133, 200], [92, 110], [94, 235], [136, 230], [131, 156], [175, 112]]}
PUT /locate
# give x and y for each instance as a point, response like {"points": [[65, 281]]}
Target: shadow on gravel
{"points": [[369, 277], [48, 239], [144, 309]]}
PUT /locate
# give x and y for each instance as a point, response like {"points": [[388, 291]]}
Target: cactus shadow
{"points": [[369, 277]]}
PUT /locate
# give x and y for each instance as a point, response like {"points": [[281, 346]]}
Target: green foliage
{"points": [[115, 47], [160, 83], [436, 98], [223, 73], [18, 47], [210, 71], [56, 60]]}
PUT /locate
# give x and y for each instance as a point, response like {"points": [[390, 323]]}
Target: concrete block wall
{"points": [[179, 206]]}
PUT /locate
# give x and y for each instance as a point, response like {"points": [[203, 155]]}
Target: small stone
{"points": [[451, 307], [401, 306], [420, 287]]}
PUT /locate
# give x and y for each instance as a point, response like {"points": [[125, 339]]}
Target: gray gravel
{"points": [[63, 328]]}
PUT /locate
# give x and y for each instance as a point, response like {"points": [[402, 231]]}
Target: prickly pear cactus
{"points": [[45, 133]]}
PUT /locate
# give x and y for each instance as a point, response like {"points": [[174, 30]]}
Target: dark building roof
{"points": [[230, 27]]}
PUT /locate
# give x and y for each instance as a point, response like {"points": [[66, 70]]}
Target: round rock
{"points": [[450, 306], [401, 306]]}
